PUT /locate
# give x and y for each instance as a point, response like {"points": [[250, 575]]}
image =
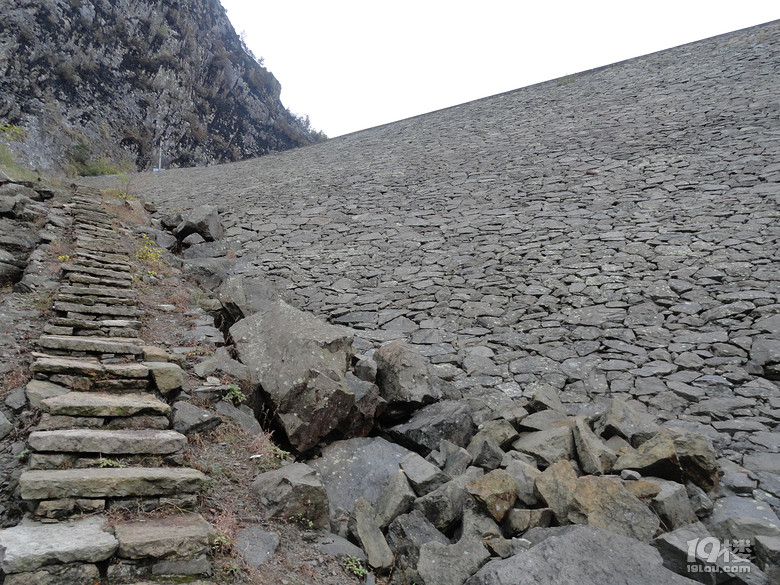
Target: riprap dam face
{"points": [[610, 232]]}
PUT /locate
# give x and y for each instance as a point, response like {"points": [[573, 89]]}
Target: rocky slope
{"points": [[91, 79]]}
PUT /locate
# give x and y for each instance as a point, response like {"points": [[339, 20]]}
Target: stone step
{"points": [[102, 272], [104, 264], [110, 482], [56, 422], [102, 404], [114, 345], [47, 365], [107, 442], [87, 325], [119, 257], [32, 545], [171, 537], [105, 332], [86, 279], [92, 300], [97, 291], [179, 582]]}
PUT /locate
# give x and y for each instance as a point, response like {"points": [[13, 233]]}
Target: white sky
{"points": [[352, 64]]}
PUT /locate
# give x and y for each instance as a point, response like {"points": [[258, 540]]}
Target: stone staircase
{"points": [[103, 447]]}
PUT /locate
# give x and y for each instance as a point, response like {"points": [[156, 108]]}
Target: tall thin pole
{"points": [[159, 161]]}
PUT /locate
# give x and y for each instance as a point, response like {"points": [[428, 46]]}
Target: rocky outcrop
{"points": [[89, 81]]}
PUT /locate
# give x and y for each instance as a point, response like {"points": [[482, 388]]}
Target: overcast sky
{"points": [[352, 64]]}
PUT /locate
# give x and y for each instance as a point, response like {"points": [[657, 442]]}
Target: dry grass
{"points": [[17, 377]]}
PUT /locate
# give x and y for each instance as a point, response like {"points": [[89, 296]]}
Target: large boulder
{"points": [[404, 380], [446, 420], [364, 525], [692, 550], [357, 468], [204, 221], [556, 486], [299, 364], [675, 454], [604, 503], [293, 491], [368, 406], [451, 564], [625, 419], [548, 446], [443, 507], [406, 535], [242, 296], [496, 491], [580, 555]]}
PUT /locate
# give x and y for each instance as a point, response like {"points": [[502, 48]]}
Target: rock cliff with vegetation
{"points": [[99, 85]]}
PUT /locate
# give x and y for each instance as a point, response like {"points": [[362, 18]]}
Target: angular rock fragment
{"points": [[452, 564], [356, 468], [622, 419], [423, 476], [496, 491], [365, 527], [677, 455], [594, 456], [293, 491], [299, 363], [405, 535], [396, 498], [547, 447], [604, 503], [580, 555], [445, 420], [556, 486], [188, 419], [202, 220], [404, 380]]}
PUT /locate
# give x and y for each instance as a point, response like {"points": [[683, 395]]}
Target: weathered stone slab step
{"points": [[105, 332], [92, 220], [115, 345], [87, 217], [102, 404], [107, 442], [32, 545], [102, 272], [97, 291], [48, 364], [116, 256], [56, 422], [179, 582], [171, 537], [94, 280], [91, 300], [91, 460], [94, 247], [104, 265], [111, 310], [110, 482]]}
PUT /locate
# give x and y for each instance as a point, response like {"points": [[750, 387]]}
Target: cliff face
{"points": [[115, 79]]}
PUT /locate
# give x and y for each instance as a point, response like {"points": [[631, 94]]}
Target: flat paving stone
{"points": [[108, 442], [104, 404], [110, 482], [117, 345], [32, 545], [178, 536]]}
